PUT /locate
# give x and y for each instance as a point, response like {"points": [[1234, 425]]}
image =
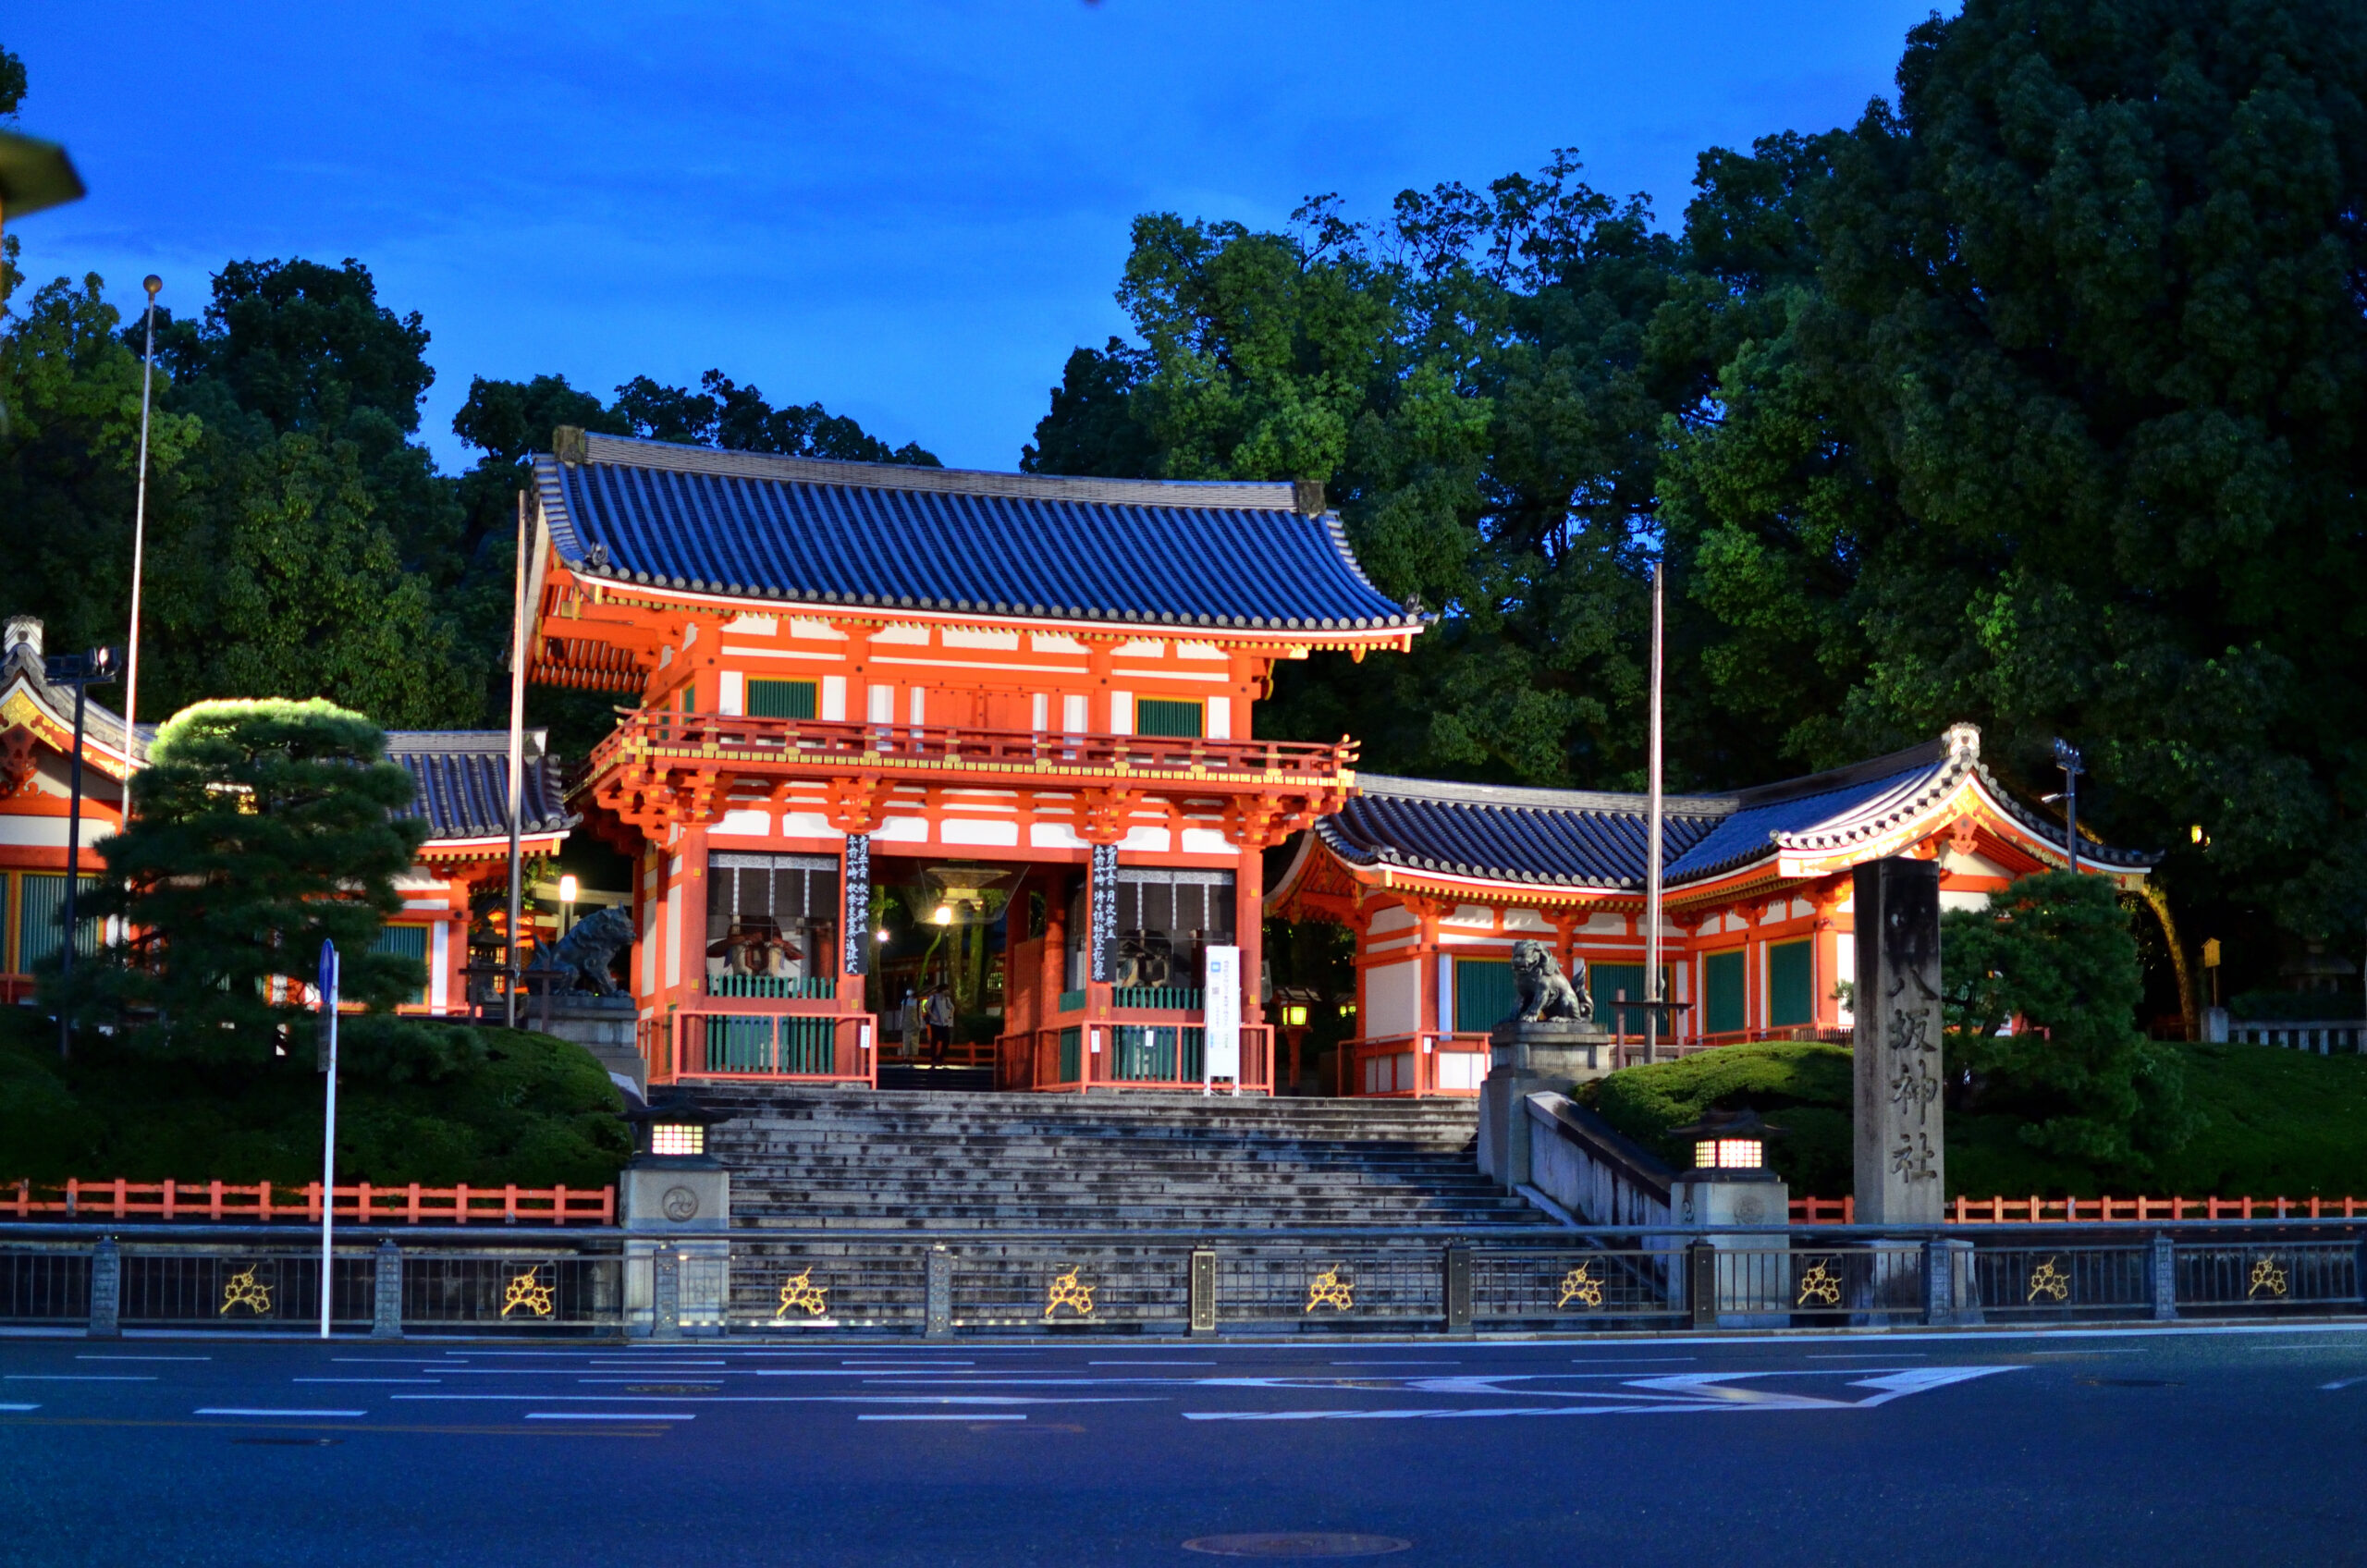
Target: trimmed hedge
{"points": [[531, 1110], [2275, 1124]]}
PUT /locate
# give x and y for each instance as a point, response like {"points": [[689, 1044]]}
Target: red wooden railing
{"points": [[408, 1204], [808, 741], [678, 1046], [1031, 1060], [2072, 1212]]}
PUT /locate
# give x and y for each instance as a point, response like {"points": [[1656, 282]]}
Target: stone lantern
{"points": [[677, 1215]]}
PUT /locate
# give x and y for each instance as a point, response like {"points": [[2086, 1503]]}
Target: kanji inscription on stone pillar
{"points": [[1901, 1157]]}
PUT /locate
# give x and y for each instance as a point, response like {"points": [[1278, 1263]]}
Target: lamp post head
{"points": [[155, 286], [2067, 757]]}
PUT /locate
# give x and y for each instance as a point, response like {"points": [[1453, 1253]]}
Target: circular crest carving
{"points": [[679, 1203], [1750, 1209]]}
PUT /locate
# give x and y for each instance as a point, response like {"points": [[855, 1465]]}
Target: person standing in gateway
{"points": [[940, 1025]]}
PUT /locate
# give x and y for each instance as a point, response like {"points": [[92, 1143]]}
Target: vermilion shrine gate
{"points": [[851, 674]]}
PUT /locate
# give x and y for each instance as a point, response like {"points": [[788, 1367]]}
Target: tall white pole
{"points": [[329, 987], [517, 770], [1652, 845], [139, 535]]}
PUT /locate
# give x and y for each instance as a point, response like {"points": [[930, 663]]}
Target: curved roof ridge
{"points": [[1256, 495], [777, 531], [1535, 797]]}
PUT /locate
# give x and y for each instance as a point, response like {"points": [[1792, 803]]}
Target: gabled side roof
{"points": [[463, 778], [804, 531], [1578, 839], [28, 698]]}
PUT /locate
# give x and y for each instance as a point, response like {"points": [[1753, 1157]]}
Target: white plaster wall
{"points": [[1392, 1000], [972, 830]]}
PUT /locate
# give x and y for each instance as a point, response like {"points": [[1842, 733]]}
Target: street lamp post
{"points": [[80, 671], [2067, 757]]}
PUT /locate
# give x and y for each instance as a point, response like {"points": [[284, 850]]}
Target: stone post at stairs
{"points": [[1900, 1102], [1526, 1057]]}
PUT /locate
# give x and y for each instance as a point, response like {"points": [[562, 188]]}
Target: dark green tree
{"points": [[2052, 955], [724, 413], [2066, 437], [1476, 383], [12, 93], [260, 828]]}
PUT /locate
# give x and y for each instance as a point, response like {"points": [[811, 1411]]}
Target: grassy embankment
{"points": [[535, 1112], [2275, 1124]]}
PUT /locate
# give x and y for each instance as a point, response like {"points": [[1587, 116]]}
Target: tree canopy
{"points": [[2032, 397], [261, 828]]}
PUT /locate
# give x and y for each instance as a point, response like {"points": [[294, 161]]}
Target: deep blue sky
{"points": [[910, 211]]}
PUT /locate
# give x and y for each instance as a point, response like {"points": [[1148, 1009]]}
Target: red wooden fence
{"points": [[2037, 1211], [410, 1204]]}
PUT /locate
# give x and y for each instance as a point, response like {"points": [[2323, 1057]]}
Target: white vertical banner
{"points": [[1220, 1013]]}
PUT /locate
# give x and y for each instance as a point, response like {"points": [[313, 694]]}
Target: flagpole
{"points": [[516, 771], [1652, 846], [153, 284], [328, 988]]}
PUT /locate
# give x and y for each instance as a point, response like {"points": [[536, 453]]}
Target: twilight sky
{"points": [[908, 210]]}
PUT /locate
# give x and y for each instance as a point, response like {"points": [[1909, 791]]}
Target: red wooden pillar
{"points": [[1249, 934]]}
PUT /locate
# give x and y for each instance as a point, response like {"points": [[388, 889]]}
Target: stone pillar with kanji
{"points": [[1901, 1150]]}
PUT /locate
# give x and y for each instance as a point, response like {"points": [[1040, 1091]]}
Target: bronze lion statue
{"points": [[1545, 992]]}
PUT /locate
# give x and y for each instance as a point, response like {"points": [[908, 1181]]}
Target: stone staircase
{"points": [[923, 1162]]}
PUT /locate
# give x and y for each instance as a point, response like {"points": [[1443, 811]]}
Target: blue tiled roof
{"points": [[464, 779], [804, 530], [1547, 836], [1590, 840], [1750, 832]]}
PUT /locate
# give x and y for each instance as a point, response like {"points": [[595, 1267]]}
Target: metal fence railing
{"points": [[771, 1283]]}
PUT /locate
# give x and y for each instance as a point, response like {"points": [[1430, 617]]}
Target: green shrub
{"points": [[2268, 1123], [523, 1107]]}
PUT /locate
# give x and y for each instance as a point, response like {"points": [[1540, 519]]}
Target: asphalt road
{"points": [[2185, 1446]]}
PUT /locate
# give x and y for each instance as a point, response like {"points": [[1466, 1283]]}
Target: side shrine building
{"points": [[463, 778], [1438, 880], [1014, 690]]}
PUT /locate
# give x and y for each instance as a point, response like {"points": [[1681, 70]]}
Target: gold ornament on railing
{"points": [[1066, 1291], [242, 1290], [2049, 1281], [2266, 1276], [1821, 1285], [1328, 1288], [528, 1290], [1580, 1285], [799, 1290]]}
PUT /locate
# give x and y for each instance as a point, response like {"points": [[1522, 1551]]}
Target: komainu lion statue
{"points": [[590, 946], [1545, 991]]}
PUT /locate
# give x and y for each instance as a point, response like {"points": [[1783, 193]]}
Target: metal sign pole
{"points": [[328, 1126], [1652, 848]]}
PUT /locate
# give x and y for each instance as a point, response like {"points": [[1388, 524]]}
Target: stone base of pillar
{"points": [[1755, 1278], [676, 1287], [1528, 1058]]}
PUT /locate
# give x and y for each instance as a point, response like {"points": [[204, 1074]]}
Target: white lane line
{"points": [[143, 1358], [1150, 1363], [246, 1410], [406, 1380], [2338, 1383], [978, 1417], [20, 1407], [1889, 1355], [787, 1399], [1626, 1360], [610, 1415], [80, 1378]]}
